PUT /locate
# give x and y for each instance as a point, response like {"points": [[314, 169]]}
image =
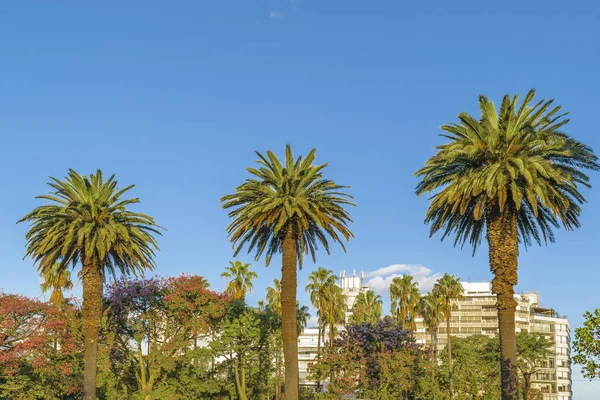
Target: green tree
{"points": [[241, 279], [367, 308], [432, 310], [319, 282], [448, 289], [274, 296], [475, 366], [57, 280], [532, 349], [587, 345], [513, 175], [405, 299], [88, 223], [239, 342], [288, 208]]}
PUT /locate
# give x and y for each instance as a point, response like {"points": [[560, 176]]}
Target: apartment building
{"points": [[476, 314]]}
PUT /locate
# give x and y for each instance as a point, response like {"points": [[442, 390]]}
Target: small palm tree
{"points": [[241, 279], [274, 297], [319, 283], [449, 289], [288, 208], [512, 175], [367, 308], [335, 309], [432, 310], [57, 280], [88, 224], [302, 317], [405, 299]]}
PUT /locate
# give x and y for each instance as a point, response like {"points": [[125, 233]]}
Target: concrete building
{"points": [[476, 314]]}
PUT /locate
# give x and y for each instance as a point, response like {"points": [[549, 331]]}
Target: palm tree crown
{"points": [[291, 198], [241, 279], [319, 282], [88, 222], [405, 298], [449, 289], [367, 308], [432, 310], [516, 160], [302, 317]]}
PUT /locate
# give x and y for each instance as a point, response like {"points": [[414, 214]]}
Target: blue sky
{"points": [[176, 97]]}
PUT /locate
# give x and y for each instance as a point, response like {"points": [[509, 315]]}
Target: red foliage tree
{"points": [[40, 346]]}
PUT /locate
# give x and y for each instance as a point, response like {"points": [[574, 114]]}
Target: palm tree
{"points": [[405, 299], [335, 309], [241, 279], [88, 224], [319, 282], [302, 317], [57, 280], [513, 175], [432, 310], [449, 289], [288, 208], [367, 308], [274, 297]]}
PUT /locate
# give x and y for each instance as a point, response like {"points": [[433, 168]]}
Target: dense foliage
{"points": [[40, 349], [587, 345]]}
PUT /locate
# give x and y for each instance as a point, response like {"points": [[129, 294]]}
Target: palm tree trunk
{"points": [[319, 345], [91, 310], [449, 346], [502, 238], [288, 320]]}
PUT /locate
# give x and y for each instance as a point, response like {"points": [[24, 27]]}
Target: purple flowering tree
{"points": [[372, 359]]}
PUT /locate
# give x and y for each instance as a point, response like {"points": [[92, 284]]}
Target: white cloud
{"points": [[380, 279], [276, 14]]}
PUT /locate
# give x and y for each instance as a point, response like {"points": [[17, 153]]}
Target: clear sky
{"points": [[176, 97]]}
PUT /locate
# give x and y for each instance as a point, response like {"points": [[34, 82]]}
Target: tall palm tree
{"points": [[432, 310], [288, 208], [274, 297], [319, 282], [449, 289], [241, 279], [405, 299], [514, 175], [367, 308], [88, 224], [57, 280]]}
